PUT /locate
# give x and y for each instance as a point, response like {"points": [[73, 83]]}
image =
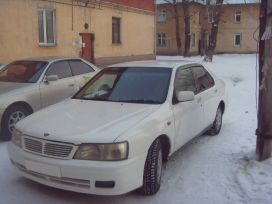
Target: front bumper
{"points": [[78, 175]]}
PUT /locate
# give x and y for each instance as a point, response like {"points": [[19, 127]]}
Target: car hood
{"points": [[6, 87], [82, 121]]}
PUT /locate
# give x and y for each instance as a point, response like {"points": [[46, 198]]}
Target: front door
{"points": [[56, 91], [87, 52], [188, 115]]}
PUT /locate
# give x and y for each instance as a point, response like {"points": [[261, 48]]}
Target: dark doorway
{"points": [[88, 46]]}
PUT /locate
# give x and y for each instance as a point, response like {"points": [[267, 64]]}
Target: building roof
{"points": [[145, 5], [225, 1]]}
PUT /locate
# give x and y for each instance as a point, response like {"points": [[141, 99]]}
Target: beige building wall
{"points": [[228, 28], [19, 31]]}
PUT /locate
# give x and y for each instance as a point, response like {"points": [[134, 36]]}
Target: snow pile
{"points": [[254, 179]]}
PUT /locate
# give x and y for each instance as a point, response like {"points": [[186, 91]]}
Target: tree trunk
{"points": [[176, 13], [214, 31], [203, 42], [204, 29], [264, 131], [187, 29]]}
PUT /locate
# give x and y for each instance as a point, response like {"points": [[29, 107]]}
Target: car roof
{"points": [[157, 63], [48, 58]]}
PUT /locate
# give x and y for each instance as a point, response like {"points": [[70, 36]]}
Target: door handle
{"points": [[198, 100], [215, 91], [71, 85]]}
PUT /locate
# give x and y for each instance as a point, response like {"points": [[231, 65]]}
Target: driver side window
{"points": [[61, 69], [184, 81]]}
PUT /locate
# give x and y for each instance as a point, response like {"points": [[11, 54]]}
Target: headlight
{"points": [[17, 137], [102, 152]]}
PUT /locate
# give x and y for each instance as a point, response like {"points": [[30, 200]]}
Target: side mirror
{"points": [[51, 78], [184, 96]]}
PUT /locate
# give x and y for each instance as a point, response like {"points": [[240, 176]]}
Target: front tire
{"points": [[153, 169], [12, 115], [216, 126]]}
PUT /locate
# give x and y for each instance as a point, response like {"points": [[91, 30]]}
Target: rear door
{"points": [[55, 91], [188, 115], [207, 92], [82, 71]]}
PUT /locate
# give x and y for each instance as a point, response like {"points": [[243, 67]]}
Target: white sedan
{"points": [[114, 134]]}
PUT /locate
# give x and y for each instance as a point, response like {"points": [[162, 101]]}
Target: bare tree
{"points": [[174, 4], [187, 27], [204, 28], [217, 11]]}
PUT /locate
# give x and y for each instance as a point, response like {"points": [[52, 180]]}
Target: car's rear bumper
{"points": [[80, 176]]}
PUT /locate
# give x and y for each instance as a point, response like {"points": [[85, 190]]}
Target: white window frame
{"points": [[238, 13], [234, 43], [161, 17], [45, 43], [161, 37]]}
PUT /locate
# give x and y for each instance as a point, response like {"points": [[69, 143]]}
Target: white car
{"points": [[29, 85], [114, 134]]}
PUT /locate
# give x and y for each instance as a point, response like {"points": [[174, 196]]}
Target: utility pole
{"points": [[264, 131]]}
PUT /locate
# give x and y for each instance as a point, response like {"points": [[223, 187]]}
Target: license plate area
{"points": [[46, 169]]}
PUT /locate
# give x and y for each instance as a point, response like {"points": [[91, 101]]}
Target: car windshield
{"points": [[128, 84], [22, 71]]}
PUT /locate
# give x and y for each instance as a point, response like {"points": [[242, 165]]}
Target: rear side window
{"points": [[203, 79], [184, 81], [61, 69], [79, 67]]}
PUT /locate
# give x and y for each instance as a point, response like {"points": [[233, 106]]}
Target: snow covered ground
{"points": [[208, 170]]}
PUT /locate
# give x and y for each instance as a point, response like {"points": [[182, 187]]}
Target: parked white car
{"points": [[29, 85], [114, 134]]}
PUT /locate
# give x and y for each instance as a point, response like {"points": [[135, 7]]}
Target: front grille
{"points": [[57, 150], [33, 145], [48, 148]]}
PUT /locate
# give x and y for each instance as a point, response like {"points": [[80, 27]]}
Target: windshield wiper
{"points": [[140, 101]]}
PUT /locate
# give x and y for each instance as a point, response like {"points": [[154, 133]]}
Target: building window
{"points": [[210, 16], [116, 30], [193, 39], [161, 17], [237, 40], [161, 41], [46, 20], [238, 17]]}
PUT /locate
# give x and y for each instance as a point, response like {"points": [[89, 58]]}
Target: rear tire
{"points": [[217, 123], [153, 169], [11, 116]]}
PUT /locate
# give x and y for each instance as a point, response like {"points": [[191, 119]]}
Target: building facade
{"points": [[238, 24], [103, 32]]}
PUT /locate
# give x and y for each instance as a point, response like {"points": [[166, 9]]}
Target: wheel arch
{"points": [[20, 103], [222, 105], [166, 146]]}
